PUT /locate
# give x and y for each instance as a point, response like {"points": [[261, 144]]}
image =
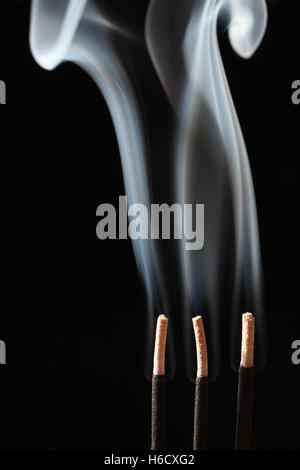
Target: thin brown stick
{"points": [[159, 386], [243, 436], [201, 390]]}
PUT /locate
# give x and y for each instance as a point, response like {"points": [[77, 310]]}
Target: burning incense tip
{"points": [[160, 345], [202, 366], [248, 333]]}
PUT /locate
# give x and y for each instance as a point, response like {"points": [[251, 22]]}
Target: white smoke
{"points": [[212, 161], [212, 165], [78, 31]]}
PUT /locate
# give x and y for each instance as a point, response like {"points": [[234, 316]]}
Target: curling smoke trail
{"points": [[212, 165], [78, 31], [212, 161]]}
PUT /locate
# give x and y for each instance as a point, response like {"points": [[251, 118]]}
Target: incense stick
{"points": [[159, 385], [201, 390], [245, 386]]}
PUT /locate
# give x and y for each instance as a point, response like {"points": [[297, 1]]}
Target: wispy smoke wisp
{"points": [[212, 165], [212, 161], [78, 31]]}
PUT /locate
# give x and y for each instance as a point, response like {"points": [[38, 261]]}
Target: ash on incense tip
{"points": [[160, 345], [248, 334], [202, 364]]}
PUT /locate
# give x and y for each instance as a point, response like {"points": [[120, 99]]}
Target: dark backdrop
{"points": [[73, 309]]}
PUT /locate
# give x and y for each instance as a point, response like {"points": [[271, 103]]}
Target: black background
{"points": [[73, 308]]}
